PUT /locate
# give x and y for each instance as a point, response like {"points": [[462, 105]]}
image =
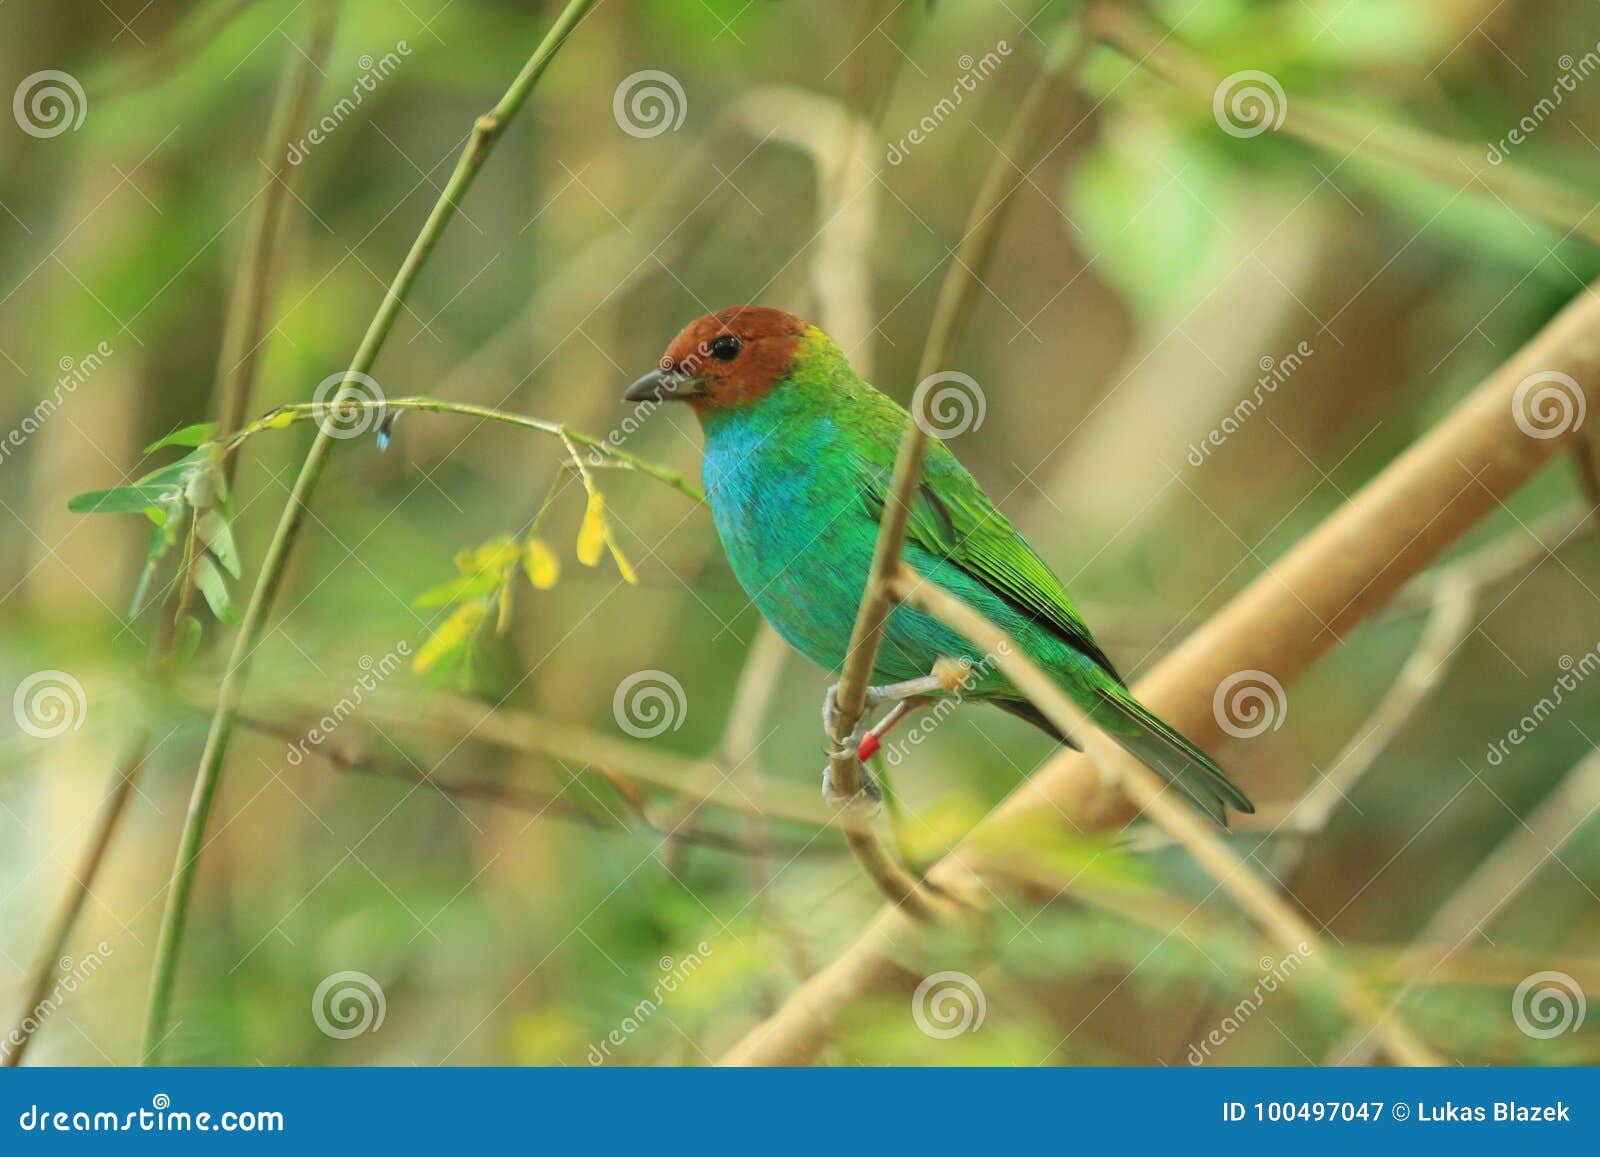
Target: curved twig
{"points": [[1336, 577], [485, 134]]}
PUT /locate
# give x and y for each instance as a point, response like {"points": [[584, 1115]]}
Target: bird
{"points": [[799, 450]]}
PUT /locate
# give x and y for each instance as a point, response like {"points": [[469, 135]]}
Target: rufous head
{"points": [[729, 358]]}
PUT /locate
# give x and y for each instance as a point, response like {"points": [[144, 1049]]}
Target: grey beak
{"points": [[660, 386]]}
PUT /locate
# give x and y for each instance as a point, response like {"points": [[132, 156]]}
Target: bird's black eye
{"points": [[726, 348]]}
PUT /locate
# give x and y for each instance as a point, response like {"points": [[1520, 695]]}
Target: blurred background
{"points": [[393, 876]]}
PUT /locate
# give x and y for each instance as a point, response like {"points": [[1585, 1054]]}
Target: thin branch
{"points": [[540, 804], [1588, 476], [486, 132], [460, 719], [244, 331], [1343, 135], [1158, 802], [1497, 881], [956, 293], [1336, 577], [1438, 645], [317, 412], [112, 809]]}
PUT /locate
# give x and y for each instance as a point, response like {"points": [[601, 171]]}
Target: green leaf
{"points": [[452, 639], [135, 499], [213, 530], [215, 589], [188, 640], [162, 539], [196, 435], [469, 586]]}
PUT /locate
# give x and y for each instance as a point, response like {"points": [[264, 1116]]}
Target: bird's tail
{"points": [[1171, 756]]}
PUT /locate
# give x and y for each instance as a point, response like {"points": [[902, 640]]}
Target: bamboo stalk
{"points": [[486, 132]]}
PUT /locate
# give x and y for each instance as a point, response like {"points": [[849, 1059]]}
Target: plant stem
{"points": [[955, 297], [316, 411], [55, 944], [485, 133], [236, 370], [1292, 932], [243, 339]]}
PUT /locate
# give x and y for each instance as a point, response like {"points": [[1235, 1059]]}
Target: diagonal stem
{"points": [[1288, 928], [485, 133]]}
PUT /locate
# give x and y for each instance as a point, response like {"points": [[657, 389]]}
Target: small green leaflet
{"points": [[196, 435], [215, 588]]}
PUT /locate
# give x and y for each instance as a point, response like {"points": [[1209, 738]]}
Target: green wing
{"points": [[952, 517]]}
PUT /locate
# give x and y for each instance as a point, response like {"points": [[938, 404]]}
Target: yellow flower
{"points": [[541, 564]]}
